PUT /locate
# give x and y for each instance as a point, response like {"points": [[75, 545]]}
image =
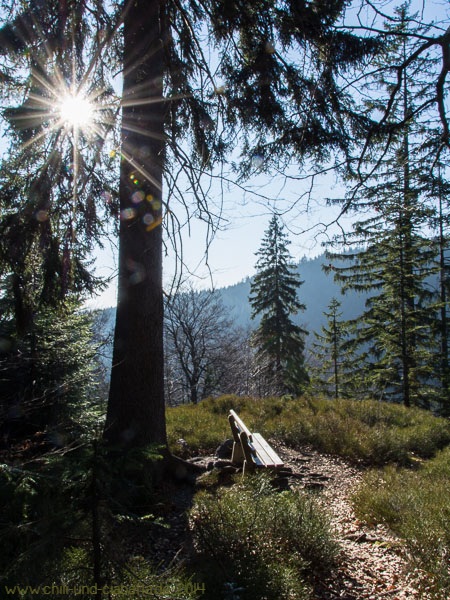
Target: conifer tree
{"points": [[257, 96], [394, 257], [52, 212], [276, 88], [438, 194], [55, 202], [336, 361], [273, 296]]}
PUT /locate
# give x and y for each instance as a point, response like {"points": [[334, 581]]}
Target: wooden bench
{"points": [[251, 449]]}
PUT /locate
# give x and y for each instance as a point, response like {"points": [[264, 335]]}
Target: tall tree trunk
{"points": [[445, 368], [335, 356], [408, 341], [135, 413]]}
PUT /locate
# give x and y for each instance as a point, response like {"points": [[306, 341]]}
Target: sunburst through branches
{"points": [[77, 111]]}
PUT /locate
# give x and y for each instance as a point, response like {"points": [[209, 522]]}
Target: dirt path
{"points": [[373, 561]]}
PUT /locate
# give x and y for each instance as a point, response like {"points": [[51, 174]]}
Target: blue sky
{"points": [[231, 254]]}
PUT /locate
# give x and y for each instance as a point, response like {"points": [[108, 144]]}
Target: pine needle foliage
{"points": [[393, 257], [334, 357], [278, 341]]}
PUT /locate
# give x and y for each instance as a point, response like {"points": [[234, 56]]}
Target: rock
{"points": [[225, 449], [220, 464]]}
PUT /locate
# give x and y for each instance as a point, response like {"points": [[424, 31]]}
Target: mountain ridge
{"points": [[316, 292]]}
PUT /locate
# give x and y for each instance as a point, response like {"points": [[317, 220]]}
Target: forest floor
{"points": [[373, 562]]}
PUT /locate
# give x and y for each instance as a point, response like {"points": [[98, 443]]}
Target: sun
{"points": [[76, 111]]}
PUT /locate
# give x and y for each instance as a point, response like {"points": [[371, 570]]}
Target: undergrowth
{"points": [[255, 542]]}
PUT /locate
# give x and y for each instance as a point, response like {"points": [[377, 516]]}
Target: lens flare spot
{"points": [[106, 197], [138, 197], [148, 219], [156, 205], [155, 224], [127, 214], [149, 198], [220, 90], [137, 272], [42, 216], [144, 151], [257, 161]]}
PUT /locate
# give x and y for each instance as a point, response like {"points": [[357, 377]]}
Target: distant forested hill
{"points": [[316, 292]]}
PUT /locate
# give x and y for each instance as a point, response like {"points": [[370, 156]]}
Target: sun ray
{"points": [[144, 132], [141, 170]]}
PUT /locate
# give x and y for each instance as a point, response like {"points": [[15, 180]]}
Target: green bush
{"points": [[266, 543], [416, 505], [136, 580], [84, 495]]}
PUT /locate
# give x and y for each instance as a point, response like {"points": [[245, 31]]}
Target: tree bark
{"points": [[136, 409]]}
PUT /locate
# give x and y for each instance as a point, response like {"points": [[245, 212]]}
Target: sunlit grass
{"points": [[369, 431]]}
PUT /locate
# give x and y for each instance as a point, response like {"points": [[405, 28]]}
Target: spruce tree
{"points": [[394, 257], [393, 263], [277, 86], [278, 341], [55, 201], [438, 191], [336, 362], [256, 97]]}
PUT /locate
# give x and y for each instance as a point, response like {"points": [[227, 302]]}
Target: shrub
{"points": [[266, 543]]}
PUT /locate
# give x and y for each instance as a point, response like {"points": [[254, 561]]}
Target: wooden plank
{"points": [[251, 460], [268, 454], [240, 423], [249, 448]]}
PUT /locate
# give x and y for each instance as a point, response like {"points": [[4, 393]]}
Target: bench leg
{"points": [[237, 455], [249, 465]]}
